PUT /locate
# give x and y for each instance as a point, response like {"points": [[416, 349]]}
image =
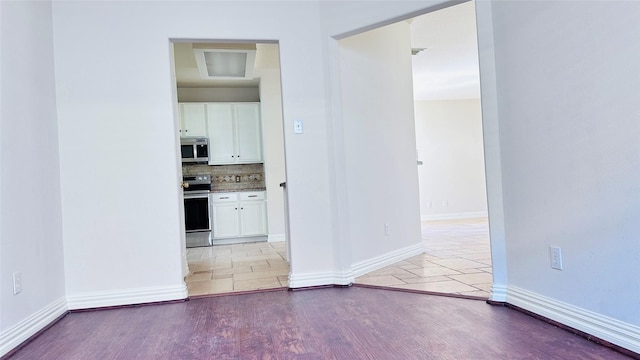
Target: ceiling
{"points": [[188, 76], [447, 69]]}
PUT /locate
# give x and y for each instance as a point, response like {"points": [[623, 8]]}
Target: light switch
{"points": [[297, 127]]}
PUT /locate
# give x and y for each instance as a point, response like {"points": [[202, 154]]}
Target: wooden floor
{"points": [[329, 323]]}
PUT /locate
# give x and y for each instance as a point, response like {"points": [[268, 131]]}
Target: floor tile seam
{"points": [[462, 282]]}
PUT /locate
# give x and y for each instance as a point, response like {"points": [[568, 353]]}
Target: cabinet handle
{"points": [[241, 208], [252, 196], [224, 197]]}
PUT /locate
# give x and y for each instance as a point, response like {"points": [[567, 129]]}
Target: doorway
{"points": [[449, 139], [238, 109]]}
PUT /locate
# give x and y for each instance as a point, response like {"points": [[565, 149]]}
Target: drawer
{"points": [[224, 197], [252, 195]]}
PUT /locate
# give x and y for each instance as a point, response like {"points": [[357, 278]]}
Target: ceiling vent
{"points": [[225, 61]]}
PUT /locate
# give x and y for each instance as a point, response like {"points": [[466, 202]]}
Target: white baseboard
{"points": [[126, 297], [320, 279], [18, 333], [276, 237], [499, 292], [454, 216], [614, 331], [378, 262]]}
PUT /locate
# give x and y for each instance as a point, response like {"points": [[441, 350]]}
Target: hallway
{"points": [[457, 260]]}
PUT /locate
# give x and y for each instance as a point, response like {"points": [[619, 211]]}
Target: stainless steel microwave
{"points": [[194, 149]]}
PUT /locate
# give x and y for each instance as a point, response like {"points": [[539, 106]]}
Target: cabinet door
{"points": [[249, 134], [225, 220], [194, 122], [253, 218], [221, 132]]}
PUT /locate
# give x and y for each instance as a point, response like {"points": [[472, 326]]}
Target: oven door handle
{"points": [[196, 196]]}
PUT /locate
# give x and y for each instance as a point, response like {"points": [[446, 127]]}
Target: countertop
{"points": [[237, 190]]}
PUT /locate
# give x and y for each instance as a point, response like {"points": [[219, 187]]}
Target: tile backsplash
{"points": [[225, 177]]}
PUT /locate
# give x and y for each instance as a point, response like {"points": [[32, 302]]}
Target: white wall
{"points": [[569, 128], [124, 239], [30, 209], [379, 148], [268, 70], [449, 143]]}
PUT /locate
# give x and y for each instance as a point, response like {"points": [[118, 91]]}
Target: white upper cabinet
{"points": [[221, 130], [234, 131], [249, 134], [193, 120]]}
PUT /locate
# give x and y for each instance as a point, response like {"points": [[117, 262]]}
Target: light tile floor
{"points": [[238, 267], [457, 260]]}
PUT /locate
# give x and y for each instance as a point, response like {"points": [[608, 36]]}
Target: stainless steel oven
{"points": [[197, 209]]}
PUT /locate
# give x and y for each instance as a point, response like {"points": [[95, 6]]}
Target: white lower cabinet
{"points": [[239, 214]]}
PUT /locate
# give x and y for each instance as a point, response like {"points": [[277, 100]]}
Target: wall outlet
{"points": [[237, 178], [556, 257], [298, 127], [387, 229], [17, 283]]}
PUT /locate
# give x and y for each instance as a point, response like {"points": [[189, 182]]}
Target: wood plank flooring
{"points": [[329, 323]]}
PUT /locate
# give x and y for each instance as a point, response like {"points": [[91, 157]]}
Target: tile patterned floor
{"points": [[238, 267], [457, 260]]}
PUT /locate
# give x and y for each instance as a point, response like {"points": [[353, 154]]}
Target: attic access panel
{"points": [[225, 64]]}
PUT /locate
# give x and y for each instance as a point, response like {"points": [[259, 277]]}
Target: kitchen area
{"points": [[223, 173], [232, 153]]}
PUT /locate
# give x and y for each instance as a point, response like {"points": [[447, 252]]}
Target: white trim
{"points": [[378, 262], [20, 332], [614, 331], [320, 279], [127, 297], [499, 292], [454, 216], [276, 237]]}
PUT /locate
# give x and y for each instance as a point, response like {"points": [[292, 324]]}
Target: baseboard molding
{"points": [[614, 331], [22, 331], [454, 216], [126, 297], [276, 237], [378, 262], [499, 293], [320, 279]]}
